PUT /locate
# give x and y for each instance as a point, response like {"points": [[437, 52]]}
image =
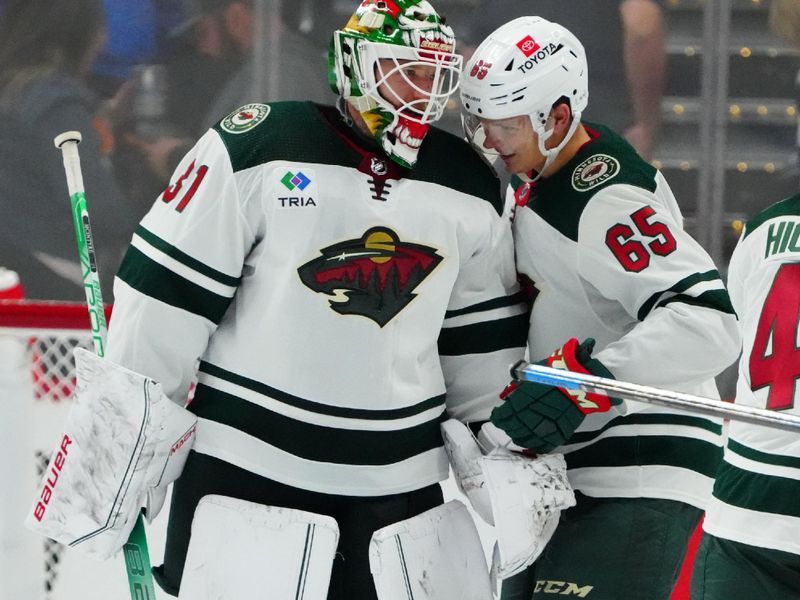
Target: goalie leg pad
{"points": [[241, 549], [122, 437], [436, 555]]}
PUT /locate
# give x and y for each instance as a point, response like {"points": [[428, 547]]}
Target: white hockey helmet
{"points": [[524, 68]]}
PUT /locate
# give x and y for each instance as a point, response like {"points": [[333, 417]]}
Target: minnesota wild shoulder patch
{"points": [[245, 118], [595, 170]]}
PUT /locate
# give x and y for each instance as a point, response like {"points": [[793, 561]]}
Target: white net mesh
{"points": [[38, 378], [52, 365]]}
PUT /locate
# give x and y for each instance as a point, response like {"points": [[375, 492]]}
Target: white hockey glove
{"points": [[525, 495], [122, 437]]}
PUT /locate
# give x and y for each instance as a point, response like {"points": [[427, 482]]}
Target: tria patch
{"points": [[245, 118], [292, 181], [593, 171], [373, 276], [296, 188]]}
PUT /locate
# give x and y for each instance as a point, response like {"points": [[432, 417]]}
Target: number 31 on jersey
{"points": [[174, 189]]}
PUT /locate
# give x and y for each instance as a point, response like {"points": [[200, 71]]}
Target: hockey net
{"points": [[37, 379]]}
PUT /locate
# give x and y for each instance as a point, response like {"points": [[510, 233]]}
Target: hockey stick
{"points": [[652, 395], [137, 557]]}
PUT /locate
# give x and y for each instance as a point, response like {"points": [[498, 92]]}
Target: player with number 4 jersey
{"points": [[751, 545], [599, 235]]}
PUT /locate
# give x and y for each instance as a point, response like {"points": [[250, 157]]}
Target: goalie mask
{"points": [[394, 62], [520, 71]]}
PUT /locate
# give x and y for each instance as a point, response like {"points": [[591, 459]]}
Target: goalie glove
{"points": [[541, 417]]}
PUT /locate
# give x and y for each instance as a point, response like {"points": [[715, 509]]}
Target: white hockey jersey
{"points": [[338, 305], [757, 491], [602, 242]]}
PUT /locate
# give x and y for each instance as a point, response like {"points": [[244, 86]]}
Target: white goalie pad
{"points": [[436, 555], [525, 495], [241, 549], [122, 437]]}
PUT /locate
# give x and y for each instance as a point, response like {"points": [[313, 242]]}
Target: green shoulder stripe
{"points": [[185, 259], [297, 131], [718, 299], [713, 299], [607, 160], [788, 207], [292, 131], [156, 281], [450, 161], [633, 169]]}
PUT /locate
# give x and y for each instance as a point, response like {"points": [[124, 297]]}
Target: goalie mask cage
{"points": [[37, 378]]}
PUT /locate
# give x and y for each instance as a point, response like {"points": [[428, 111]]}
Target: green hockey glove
{"points": [[542, 417]]}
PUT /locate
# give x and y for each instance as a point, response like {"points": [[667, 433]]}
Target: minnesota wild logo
{"points": [[245, 118], [373, 276], [593, 171]]}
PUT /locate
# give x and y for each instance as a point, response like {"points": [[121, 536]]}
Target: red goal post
{"points": [[37, 378]]}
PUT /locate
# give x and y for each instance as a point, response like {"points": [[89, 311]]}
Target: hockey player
{"points": [[599, 234], [345, 279], [751, 542]]}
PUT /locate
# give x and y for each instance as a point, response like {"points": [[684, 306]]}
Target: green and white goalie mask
{"points": [[394, 62], [519, 73]]}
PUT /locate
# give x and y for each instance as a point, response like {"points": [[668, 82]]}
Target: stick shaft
{"points": [[137, 558], [651, 395], [86, 251]]}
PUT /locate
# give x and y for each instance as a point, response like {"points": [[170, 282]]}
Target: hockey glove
{"points": [[541, 417]]}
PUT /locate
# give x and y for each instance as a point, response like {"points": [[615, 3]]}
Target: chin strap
{"points": [[550, 154]]}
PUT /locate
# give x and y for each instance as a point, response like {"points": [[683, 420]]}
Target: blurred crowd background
{"points": [[706, 90]]}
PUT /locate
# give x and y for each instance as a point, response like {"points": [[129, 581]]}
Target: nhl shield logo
{"points": [[373, 276], [594, 171], [245, 118], [378, 166]]}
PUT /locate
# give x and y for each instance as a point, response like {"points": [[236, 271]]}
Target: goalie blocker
{"points": [[521, 496], [123, 439]]}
